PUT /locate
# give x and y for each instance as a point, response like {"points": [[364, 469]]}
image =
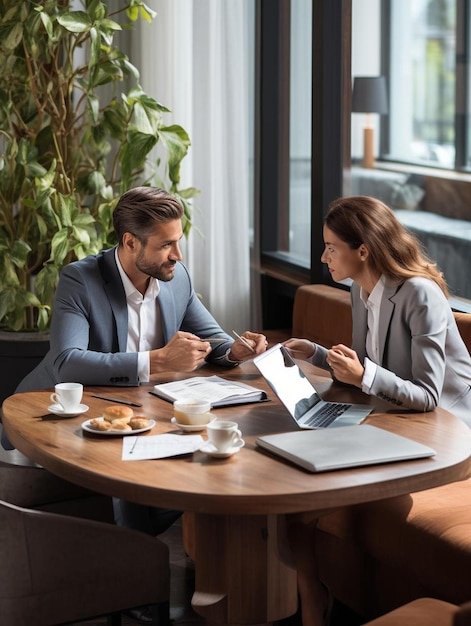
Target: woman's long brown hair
{"points": [[394, 251]]}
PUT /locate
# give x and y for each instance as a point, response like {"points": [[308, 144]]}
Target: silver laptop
{"points": [[353, 446], [300, 397]]}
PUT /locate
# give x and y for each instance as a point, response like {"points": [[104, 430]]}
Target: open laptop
{"points": [[300, 397]]}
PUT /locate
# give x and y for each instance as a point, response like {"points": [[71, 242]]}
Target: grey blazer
{"points": [[424, 362], [90, 323]]}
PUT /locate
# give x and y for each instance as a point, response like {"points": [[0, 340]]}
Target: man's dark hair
{"points": [[140, 208]]}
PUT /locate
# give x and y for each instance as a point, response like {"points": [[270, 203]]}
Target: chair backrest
{"points": [[34, 487], [463, 321], [24, 483], [322, 314], [56, 569], [463, 616]]}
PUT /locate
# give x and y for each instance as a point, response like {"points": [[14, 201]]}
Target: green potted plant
{"points": [[72, 139]]}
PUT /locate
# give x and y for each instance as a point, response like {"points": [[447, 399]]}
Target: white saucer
{"points": [[188, 428], [58, 410], [209, 449], [122, 433]]}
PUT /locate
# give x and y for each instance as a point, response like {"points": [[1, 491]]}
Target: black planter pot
{"points": [[19, 354]]}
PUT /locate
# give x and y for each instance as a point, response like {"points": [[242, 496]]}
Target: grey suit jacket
{"points": [[90, 323], [424, 363]]}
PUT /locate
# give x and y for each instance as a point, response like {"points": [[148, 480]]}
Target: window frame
{"points": [[331, 99]]}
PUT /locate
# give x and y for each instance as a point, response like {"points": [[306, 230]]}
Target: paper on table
{"points": [[159, 446], [219, 391]]}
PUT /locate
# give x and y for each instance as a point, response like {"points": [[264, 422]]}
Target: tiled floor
{"points": [[182, 584]]}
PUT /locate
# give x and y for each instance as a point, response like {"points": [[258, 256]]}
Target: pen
{"points": [[133, 446], [118, 400], [244, 341], [214, 339]]}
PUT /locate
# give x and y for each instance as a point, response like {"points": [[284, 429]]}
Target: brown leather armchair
{"points": [[58, 569], [426, 612]]}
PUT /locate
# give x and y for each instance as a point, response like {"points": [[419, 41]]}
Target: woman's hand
{"points": [[300, 348], [345, 365]]}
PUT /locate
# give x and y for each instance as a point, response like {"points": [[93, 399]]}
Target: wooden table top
{"points": [[250, 482]]}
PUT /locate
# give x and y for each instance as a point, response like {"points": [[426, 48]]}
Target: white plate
{"points": [[208, 448], [58, 410], [188, 428], [86, 426]]}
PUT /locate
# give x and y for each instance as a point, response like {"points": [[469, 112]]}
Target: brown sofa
{"points": [[378, 556]]}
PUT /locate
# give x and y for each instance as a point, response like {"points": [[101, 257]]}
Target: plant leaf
{"points": [[176, 142], [75, 21]]}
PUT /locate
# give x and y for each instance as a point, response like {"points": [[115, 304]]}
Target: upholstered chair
{"points": [[24, 483], [426, 612], [57, 569]]}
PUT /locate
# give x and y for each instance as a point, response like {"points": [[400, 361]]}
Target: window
{"points": [[309, 145], [302, 130], [285, 109], [414, 43], [423, 81], [422, 168], [299, 241]]}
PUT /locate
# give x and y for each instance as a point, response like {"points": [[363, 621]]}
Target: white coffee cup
{"points": [[192, 412], [224, 435], [68, 395]]}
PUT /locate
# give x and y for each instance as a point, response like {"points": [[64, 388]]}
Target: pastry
{"points": [[118, 412], [118, 425], [138, 422], [97, 424]]}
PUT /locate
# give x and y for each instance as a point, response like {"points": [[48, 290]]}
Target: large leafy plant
{"points": [[72, 139]]}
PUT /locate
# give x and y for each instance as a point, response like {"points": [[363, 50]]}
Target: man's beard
{"points": [[163, 272]]}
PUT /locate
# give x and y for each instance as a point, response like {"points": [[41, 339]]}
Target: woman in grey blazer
{"points": [[406, 347]]}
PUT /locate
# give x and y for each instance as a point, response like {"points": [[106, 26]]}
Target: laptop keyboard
{"points": [[327, 415]]}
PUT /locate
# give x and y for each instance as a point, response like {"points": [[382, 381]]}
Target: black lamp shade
{"points": [[369, 95]]}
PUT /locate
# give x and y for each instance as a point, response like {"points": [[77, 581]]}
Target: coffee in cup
{"points": [[192, 412], [224, 435], [68, 395]]}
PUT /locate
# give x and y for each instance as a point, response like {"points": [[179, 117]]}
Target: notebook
{"points": [[299, 396], [353, 446], [219, 391]]}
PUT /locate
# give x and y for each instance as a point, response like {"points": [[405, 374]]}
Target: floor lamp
{"points": [[369, 96]]}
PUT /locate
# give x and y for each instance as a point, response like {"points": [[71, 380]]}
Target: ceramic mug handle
{"points": [[236, 437]]}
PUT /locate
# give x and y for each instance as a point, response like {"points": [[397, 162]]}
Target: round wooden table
{"points": [[239, 504]]}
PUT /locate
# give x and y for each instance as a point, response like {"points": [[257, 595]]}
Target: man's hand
{"points": [[255, 343], [184, 352], [345, 365]]}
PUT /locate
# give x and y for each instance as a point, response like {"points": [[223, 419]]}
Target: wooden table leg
{"points": [[243, 569]]}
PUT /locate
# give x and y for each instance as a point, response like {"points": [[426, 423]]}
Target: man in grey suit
{"points": [[131, 312]]}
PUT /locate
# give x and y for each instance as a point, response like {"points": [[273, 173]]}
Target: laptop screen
{"points": [[287, 380]]}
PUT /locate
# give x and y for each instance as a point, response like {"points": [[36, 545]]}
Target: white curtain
{"points": [[193, 59]]}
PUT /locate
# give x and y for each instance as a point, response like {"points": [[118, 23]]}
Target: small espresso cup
{"points": [[224, 435], [192, 412], [68, 395]]}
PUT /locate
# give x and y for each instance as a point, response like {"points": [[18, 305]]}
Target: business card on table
{"points": [[159, 446]]}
